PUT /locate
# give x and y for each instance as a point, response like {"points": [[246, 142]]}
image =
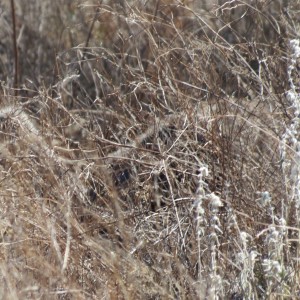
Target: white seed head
{"points": [[215, 201]]}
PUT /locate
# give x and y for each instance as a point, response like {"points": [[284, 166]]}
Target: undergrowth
{"points": [[151, 150]]}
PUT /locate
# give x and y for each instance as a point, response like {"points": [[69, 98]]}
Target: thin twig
{"points": [[16, 58], [91, 28]]}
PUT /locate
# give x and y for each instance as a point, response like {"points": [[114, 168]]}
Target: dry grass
{"points": [[152, 151]]}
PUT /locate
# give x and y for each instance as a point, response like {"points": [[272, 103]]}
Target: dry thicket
{"points": [[150, 150]]}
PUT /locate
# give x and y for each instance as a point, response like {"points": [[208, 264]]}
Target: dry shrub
{"points": [[161, 164]]}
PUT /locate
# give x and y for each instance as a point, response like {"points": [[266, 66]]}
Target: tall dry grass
{"points": [[152, 152]]}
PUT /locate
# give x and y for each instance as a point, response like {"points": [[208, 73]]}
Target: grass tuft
{"points": [[152, 150]]}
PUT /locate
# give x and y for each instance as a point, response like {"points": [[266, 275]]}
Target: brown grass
{"points": [[151, 152]]}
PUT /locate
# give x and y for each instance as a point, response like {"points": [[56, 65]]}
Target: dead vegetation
{"points": [[152, 152]]}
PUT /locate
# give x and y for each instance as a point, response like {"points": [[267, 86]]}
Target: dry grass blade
{"points": [[152, 150]]}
